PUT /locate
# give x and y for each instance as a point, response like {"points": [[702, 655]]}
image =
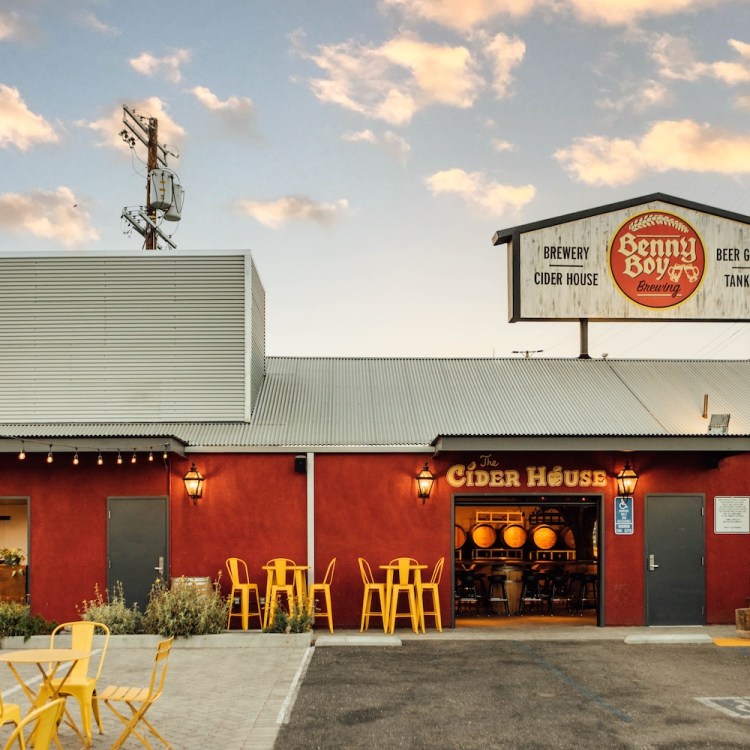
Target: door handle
{"points": [[651, 564], [160, 567]]}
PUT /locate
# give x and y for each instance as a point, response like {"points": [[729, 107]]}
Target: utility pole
{"points": [[147, 220]]}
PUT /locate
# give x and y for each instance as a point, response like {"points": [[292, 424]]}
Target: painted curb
{"points": [[357, 640], [668, 638]]}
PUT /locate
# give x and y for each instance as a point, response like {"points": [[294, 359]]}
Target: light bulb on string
{"points": [[99, 459], [22, 452], [50, 457], [151, 456], [119, 457], [133, 458], [75, 458]]}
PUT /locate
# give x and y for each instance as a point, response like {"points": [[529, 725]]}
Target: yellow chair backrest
{"points": [[280, 570], [438, 571], [156, 685], [82, 639], [365, 570], [328, 579], [45, 721], [233, 567], [403, 571]]}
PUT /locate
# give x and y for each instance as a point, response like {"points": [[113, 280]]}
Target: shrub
{"points": [[16, 619], [185, 610], [298, 619], [112, 611]]}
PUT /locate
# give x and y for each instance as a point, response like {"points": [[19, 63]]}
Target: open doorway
{"points": [[14, 536], [524, 560]]}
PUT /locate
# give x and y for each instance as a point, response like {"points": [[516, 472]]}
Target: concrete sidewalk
{"points": [[236, 690]]}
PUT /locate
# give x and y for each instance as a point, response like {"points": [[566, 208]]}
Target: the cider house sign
{"points": [[655, 257]]}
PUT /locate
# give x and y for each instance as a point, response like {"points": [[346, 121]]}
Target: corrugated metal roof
{"points": [[353, 402]]}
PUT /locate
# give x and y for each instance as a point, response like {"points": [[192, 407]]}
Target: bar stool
{"points": [[496, 592], [242, 587], [589, 591], [557, 591], [276, 585], [467, 591], [531, 593], [403, 585]]}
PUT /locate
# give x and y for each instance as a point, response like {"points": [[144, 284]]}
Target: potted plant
{"points": [[12, 575]]}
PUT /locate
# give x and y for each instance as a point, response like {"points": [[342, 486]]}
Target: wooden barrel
{"points": [[483, 535], [459, 537], [513, 536], [565, 538], [513, 576], [203, 583], [543, 536]]}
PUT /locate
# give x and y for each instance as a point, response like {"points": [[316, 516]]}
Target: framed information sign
{"points": [[624, 515], [732, 515]]}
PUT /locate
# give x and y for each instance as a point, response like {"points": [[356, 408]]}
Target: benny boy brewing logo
{"points": [[657, 259]]}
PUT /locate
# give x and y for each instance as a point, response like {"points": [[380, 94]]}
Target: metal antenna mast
{"points": [[164, 194]]}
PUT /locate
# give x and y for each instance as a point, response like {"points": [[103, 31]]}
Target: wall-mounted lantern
{"points": [[626, 481], [194, 484], [425, 480]]}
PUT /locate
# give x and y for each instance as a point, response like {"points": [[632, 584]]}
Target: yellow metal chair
{"points": [[404, 584], [325, 589], [278, 583], [10, 713], [431, 587], [43, 722], [79, 683], [371, 589], [139, 699], [242, 587]]}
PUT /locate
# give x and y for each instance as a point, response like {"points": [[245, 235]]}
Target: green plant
{"points": [[297, 619], [13, 557], [185, 610], [112, 611], [16, 619]]}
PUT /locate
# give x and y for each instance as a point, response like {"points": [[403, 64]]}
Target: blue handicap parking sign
{"points": [[623, 515]]}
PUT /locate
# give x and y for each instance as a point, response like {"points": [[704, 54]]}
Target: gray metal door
{"points": [[675, 573], [137, 533]]}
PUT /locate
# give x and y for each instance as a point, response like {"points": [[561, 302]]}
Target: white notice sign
{"points": [[732, 515]]}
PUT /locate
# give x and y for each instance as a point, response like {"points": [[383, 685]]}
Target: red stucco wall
{"points": [[254, 507]]}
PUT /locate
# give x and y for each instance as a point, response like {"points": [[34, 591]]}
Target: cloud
{"points": [[480, 191], [629, 12], [500, 145], [506, 52], [297, 208], [682, 145], [462, 14], [237, 113], [50, 215], [168, 66], [465, 15], [676, 60], [394, 81], [390, 142], [110, 127], [19, 126], [638, 97], [10, 26], [91, 21]]}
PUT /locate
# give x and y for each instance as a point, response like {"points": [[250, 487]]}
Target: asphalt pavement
{"points": [[583, 687]]}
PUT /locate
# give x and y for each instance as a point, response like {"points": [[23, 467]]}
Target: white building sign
{"points": [[732, 515], [654, 258]]}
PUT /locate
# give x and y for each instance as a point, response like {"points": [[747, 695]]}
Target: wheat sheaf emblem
{"points": [[650, 220]]}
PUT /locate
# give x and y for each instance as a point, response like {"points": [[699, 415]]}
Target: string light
{"points": [[165, 455], [151, 456], [99, 459], [22, 452], [119, 457], [75, 458], [133, 458], [50, 458]]}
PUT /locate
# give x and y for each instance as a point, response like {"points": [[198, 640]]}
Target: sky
{"points": [[366, 152]]}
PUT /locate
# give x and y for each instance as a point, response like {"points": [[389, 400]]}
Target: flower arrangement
{"points": [[12, 557]]}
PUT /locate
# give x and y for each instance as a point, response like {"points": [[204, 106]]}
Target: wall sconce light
{"points": [[425, 480], [194, 484], [626, 481]]}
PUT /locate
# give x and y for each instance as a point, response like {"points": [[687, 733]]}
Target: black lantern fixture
{"points": [[626, 481], [425, 480], [194, 484]]}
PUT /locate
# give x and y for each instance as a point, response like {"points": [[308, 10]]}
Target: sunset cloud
{"points": [[683, 145], [50, 215], [10, 26], [168, 67], [275, 213], [462, 14], [236, 113], [19, 126], [506, 53], [479, 191], [393, 81], [389, 142]]}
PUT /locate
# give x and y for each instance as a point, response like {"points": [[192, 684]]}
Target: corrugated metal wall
{"points": [[124, 338]]}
